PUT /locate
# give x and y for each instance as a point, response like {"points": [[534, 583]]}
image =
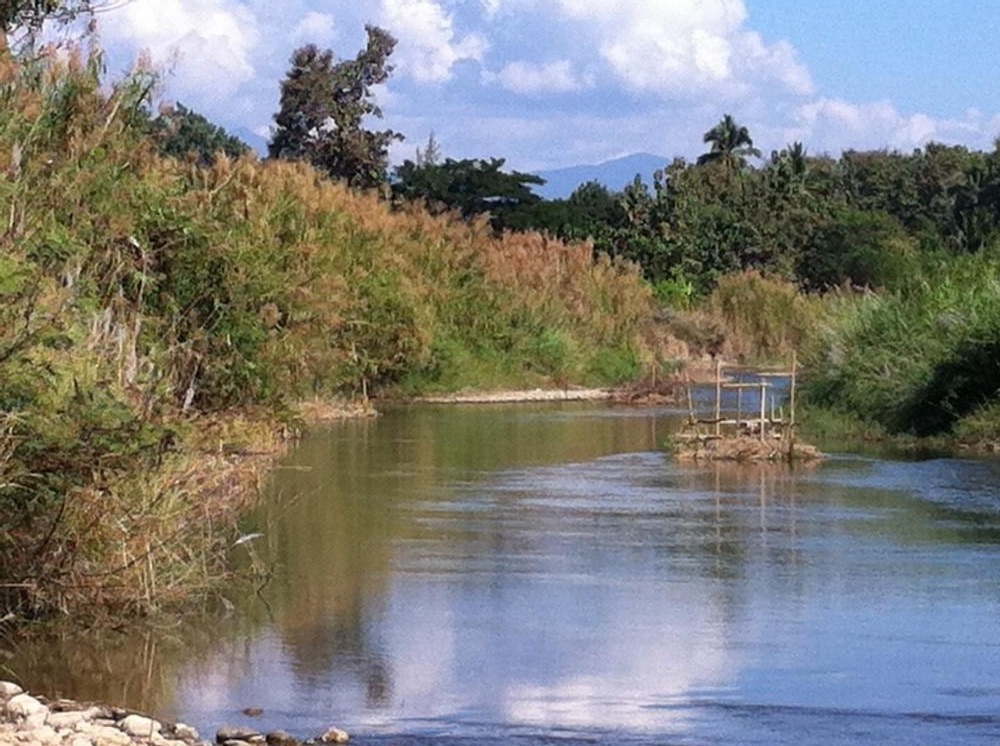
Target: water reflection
{"points": [[553, 570], [474, 575]]}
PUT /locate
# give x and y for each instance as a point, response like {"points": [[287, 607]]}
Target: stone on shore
{"points": [[335, 735], [140, 726], [185, 733], [280, 738], [22, 706], [27, 721], [237, 733]]}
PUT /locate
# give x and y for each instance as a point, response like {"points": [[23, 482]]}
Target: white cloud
{"points": [[210, 42], [688, 48], [315, 28], [835, 125], [428, 48], [632, 75], [531, 79], [491, 7]]}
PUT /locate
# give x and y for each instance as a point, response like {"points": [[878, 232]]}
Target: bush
{"points": [[917, 360]]}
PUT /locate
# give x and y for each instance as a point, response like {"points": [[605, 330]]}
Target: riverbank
{"points": [[27, 719], [515, 395], [156, 536]]}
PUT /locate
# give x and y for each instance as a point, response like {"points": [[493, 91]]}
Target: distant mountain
{"points": [[615, 174], [257, 143]]}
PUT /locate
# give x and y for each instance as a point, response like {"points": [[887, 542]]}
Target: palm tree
{"points": [[731, 145], [788, 168]]}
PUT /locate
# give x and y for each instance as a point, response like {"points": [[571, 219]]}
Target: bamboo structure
{"points": [[769, 436]]}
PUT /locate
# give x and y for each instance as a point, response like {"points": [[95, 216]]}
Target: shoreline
{"points": [[514, 396], [27, 719]]}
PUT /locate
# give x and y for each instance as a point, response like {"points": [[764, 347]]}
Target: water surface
{"points": [[547, 574]]}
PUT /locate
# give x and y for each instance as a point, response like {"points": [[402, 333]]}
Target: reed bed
{"points": [[920, 360], [145, 300]]}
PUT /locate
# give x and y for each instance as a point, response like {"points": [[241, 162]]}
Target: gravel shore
{"points": [[531, 395], [26, 720]]}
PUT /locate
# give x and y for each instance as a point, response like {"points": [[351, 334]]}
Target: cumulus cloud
{"points": [[210, 44], [835, 125], [631, 75], [530, 79], [688, 48], [428, 45], [315, 28]]}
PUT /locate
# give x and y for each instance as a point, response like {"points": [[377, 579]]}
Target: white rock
{"points": [[67, 719], [34, 720], [137, 725], [95, 712], [8, 689], [22, 705], [80, 741], [43, 735], [106, 735], [185, 732], [335, 735], [235, 733]]}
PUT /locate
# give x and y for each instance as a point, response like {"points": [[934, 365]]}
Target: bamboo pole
{"points": [[791, 403], [687, 385], [763, 405], [791, 407], [718, 398]]}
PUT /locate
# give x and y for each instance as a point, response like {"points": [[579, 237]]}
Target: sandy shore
{"points": [[511, 396]]}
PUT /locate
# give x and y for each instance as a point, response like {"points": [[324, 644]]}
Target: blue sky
{"points": [[552, 83]]}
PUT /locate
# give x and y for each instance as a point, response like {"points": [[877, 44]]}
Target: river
{"points": [[546, 573]]}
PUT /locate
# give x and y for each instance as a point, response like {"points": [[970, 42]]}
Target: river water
{"points": [[546, 574]]}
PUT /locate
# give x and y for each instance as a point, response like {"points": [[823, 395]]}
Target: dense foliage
{"points": [[470, 187], [29, 15], [919, 360], [864, 220], [324, 108], [141, 296], [181, 133]]}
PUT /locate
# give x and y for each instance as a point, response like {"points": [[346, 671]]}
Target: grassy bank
{"points": [[149, 304], [752, 319], [921, 361]]}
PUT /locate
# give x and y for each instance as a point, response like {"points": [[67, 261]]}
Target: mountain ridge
{"points": [[615, 174]]}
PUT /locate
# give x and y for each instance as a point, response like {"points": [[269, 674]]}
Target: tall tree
{"points": [[470, 187], [730, 144], [430, 155], [30, 14], [324, 105], [180, 132]]}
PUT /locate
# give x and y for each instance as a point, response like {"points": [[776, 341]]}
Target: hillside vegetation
{"points": [[147, 299]]}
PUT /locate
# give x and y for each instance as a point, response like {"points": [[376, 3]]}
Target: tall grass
{"points": [[918, 360], [752, 318], [141, 294]]}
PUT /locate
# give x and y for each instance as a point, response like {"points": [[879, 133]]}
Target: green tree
{"points": [[471, 187], [730, 144], [29, 15], [431, 154], [591, 213], [858, 248], [180, 133], [323, 109]]}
